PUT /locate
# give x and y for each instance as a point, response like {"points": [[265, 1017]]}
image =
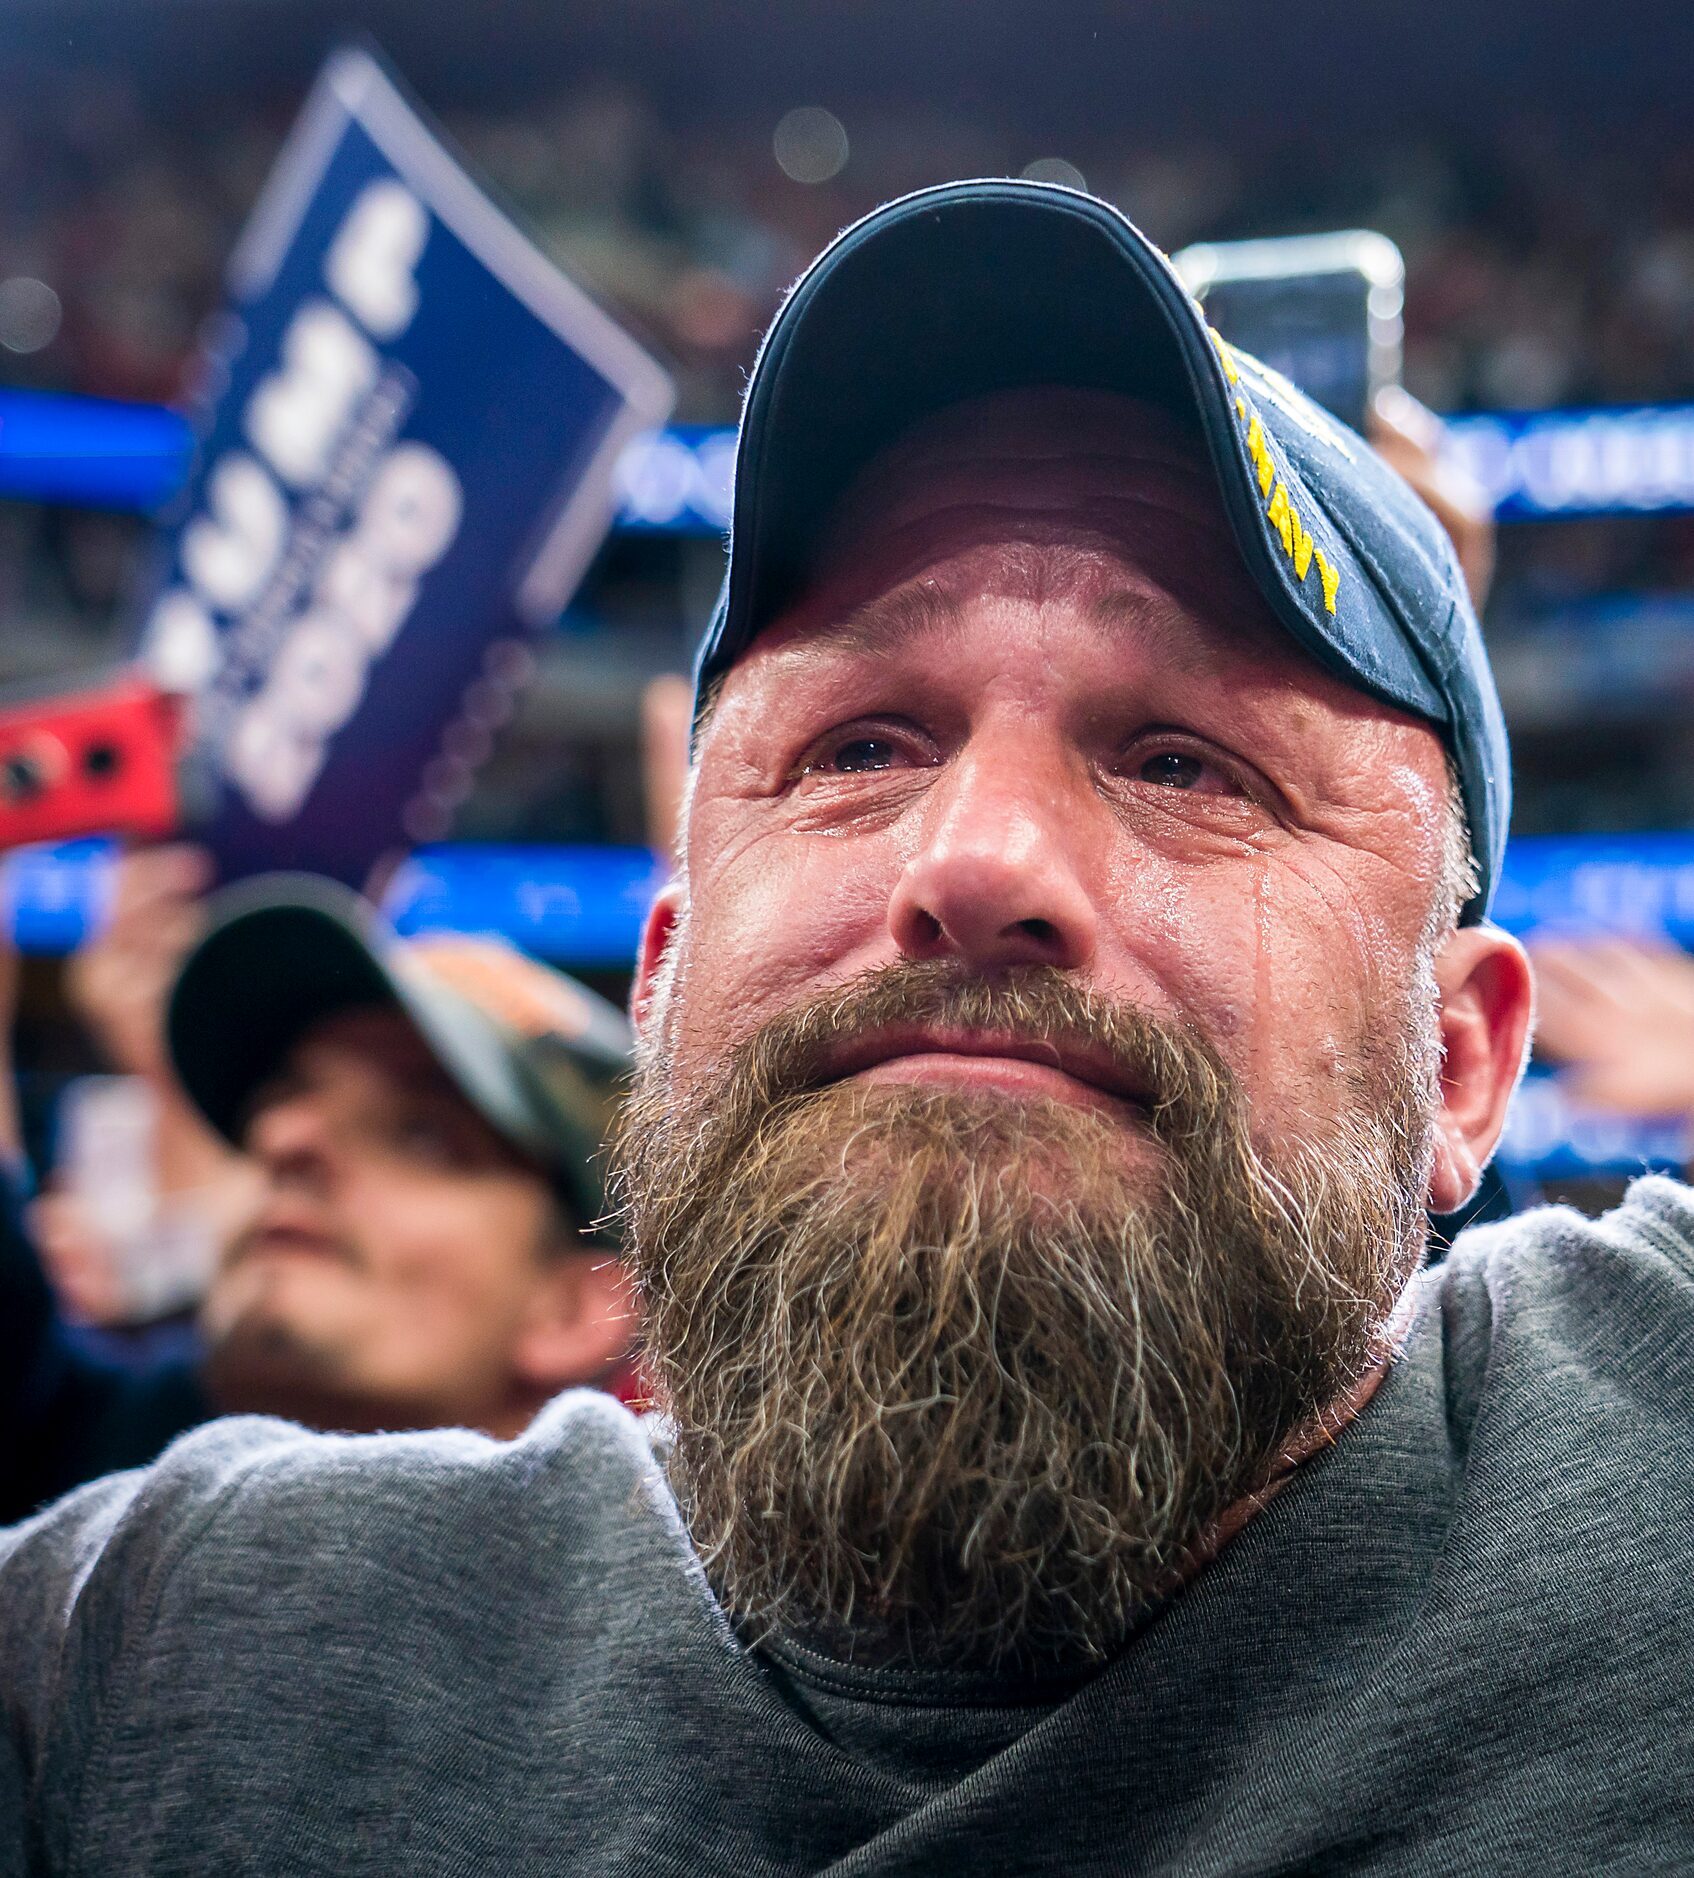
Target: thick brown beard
{"points": [[958, 1377]]}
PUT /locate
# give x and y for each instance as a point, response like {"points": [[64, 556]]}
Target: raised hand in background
{"points": [[1619, 1015], [121, 977], [1408, 436], [129, 1226]]}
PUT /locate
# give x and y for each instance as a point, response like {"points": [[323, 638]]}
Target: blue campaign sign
{"points": [[410, 429]]}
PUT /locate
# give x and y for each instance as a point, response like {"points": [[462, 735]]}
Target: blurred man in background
{"points": [[413, 1246]]}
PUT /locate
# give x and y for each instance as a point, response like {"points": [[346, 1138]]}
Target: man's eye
{"points": [[1188, 770], [428, 1137], [1175, 769], [865, 753], [856, 755]]}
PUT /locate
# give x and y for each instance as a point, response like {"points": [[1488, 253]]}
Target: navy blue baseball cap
{"points": [[979, 287]]}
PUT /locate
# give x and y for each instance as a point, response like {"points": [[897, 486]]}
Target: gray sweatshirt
{"points": [[1462, 1640]]}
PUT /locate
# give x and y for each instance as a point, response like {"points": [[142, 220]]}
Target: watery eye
{"points": [[861, 753], [1175, 769]]}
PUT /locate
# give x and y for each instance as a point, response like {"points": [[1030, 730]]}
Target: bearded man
{"points": [[1075, 989]]}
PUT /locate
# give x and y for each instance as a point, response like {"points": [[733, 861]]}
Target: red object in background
{"points": [[96, 762], [628, 1384]]}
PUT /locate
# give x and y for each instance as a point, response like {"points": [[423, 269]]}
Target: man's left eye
{"points": [[1192, 771], [1174, 769], [858, 750]]}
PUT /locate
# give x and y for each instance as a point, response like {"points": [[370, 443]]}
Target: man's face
{"points": [[398, 1247], [1035, 1120], [1036, 711]]}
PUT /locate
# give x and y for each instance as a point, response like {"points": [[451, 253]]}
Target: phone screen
{"points": [[1313, 328], [1324, 310]]}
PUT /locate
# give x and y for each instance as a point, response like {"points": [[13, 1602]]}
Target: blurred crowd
{"points": [[368, 1198], [355, 1227], [1540, 272], [371, 1197]]}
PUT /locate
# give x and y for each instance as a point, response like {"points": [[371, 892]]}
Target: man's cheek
{"points": [[1209, 959], [785, 920], [1333, 972], [1258, 966]]}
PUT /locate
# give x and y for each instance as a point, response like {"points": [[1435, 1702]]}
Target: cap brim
{"points": [[282, 954]]}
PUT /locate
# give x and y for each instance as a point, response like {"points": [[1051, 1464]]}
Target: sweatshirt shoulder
{"points": [[1592, 1315], [272, 1482], [252, 1502], [1646, 1240], [257, 1555]]}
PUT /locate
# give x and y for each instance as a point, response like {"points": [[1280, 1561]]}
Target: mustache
{"points": [[1174, 1077]]}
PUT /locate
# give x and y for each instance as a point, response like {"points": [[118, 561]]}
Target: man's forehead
{"points": [[1048, 496], [1049, 449], [378, 1037], [1085, 572]]}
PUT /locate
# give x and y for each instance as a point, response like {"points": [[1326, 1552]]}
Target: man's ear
{"points": [[656, 933], [578, 1322], [1487, 998]]}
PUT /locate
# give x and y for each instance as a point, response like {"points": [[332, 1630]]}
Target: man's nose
{"points": [[994, 882], [290, 1140]]}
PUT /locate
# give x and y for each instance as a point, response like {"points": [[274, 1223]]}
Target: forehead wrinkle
{"points": [[1040, 573], [1036, 573]]}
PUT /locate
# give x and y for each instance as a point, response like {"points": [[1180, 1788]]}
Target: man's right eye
{"points": [[858, 753], [866, 747]]}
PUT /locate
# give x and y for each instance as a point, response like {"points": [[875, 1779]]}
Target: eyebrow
{"points": [[882, 624], [1197, 654], [879, 627]]}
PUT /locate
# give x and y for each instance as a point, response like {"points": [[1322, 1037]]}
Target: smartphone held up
{"points": [[1324, 310], [97, 761]]}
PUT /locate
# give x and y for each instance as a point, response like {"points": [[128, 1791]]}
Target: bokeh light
{"points": [[810, 144], [29, 314], [1055, 170]]}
